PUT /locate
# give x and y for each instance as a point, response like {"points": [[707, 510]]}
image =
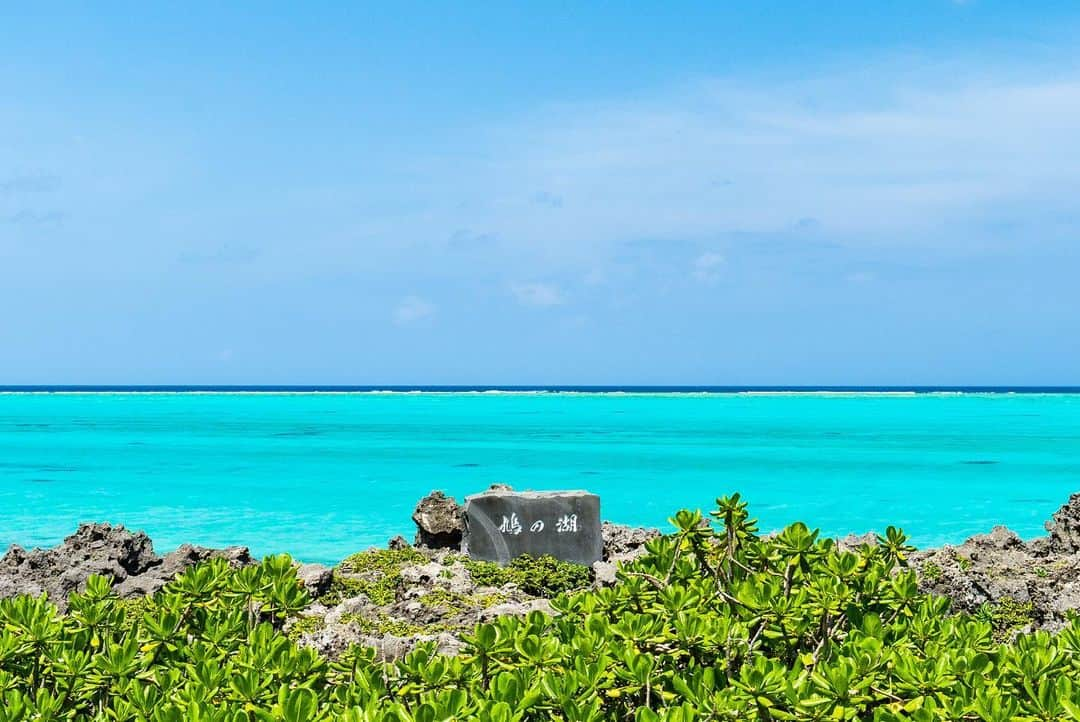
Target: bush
{"points": [[543, 576], [547, 576], [932, 572], [712, 624], [375, 573], [1006, 616], [489, 574]]}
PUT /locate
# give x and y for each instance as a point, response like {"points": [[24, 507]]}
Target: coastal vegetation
{"points": [[375, 573], [713, 622], [543, 576]]}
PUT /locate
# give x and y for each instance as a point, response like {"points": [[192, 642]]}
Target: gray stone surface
{"points": [[126, 557], [398, 543], [1064, 527], [316, 578], [501, 525], [438, 521], [625, 543]]}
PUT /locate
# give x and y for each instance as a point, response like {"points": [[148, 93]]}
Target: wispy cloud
{"points": [[862, 277], [35, 217], [36, 183], [463, 239], [707, 266], [227, 253], [538, 295], [891, 153], [412, 309], [550, 200], [909, 152]]}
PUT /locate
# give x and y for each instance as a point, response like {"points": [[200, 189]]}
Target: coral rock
{"points": [[439, 522]]}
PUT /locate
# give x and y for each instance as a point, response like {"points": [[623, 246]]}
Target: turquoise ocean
{"points": [[321, 475]]}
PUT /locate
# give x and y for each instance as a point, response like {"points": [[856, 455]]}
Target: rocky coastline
{"points": [[1038, 581], [391, 598]]}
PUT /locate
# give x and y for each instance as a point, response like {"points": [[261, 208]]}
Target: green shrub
{"points": [[711, 624], [383, 624], [547, 576], [543, 576], [931, 571], [489, 574], [453, 603], [384, 561], [375, 573], [300, 626], [1006, 616]]}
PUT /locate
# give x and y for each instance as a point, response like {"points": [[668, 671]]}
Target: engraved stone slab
{"points": [[500, 525]]}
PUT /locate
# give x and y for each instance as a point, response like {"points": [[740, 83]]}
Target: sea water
{"points": [[322, 475]]}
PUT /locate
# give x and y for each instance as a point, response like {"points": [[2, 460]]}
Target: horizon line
{"points": [[552, 388]]}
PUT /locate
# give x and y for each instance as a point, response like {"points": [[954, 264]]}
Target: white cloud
{"points": [[595, 277], [412, 309], [539, 295], [893, 153], [707, 266], [911, 152], [37, 183], [862, 277]]}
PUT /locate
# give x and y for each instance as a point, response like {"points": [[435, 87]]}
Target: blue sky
{"points": [[699, 193]]}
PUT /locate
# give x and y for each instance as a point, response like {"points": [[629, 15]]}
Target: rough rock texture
{"points": [[435, 600], [168, 566], [1000, 567], [621, 544], [439, 522], [316, 578], [1064, 528], [112, 551], [852, 542]]}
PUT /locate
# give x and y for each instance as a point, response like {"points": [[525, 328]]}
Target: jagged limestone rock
{"points": [[439, 522]]}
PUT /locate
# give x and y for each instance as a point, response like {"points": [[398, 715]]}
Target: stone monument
{"points": [[502, 524]]}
